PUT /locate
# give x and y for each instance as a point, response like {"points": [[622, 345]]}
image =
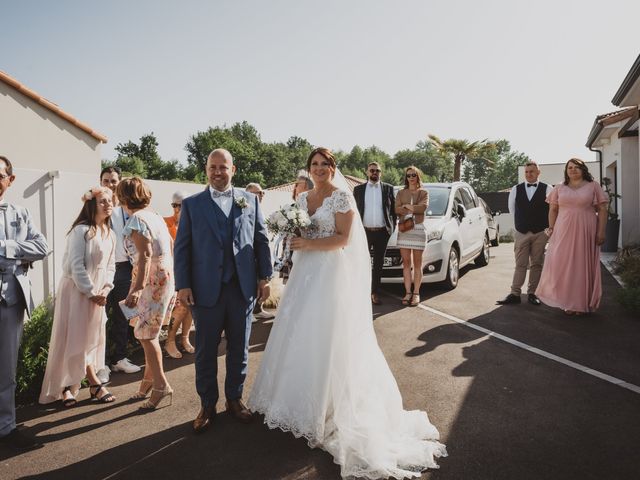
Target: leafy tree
{"points": [[144, 160], [499, 173], [460, 150]]}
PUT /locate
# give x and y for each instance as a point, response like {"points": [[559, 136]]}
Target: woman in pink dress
{"points": [[577, 217], [77, 345], [152, 293]]}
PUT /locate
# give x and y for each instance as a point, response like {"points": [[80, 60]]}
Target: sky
{"points": [[338, 73]]}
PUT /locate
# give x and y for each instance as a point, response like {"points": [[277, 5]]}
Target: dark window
{"points": [[469, 202]]}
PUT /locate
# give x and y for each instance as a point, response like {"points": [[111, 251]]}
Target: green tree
{"points": [[144, 160], [460, 150], [499, 173]]}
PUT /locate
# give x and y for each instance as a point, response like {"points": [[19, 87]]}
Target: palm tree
{"points": [[460, 150]]}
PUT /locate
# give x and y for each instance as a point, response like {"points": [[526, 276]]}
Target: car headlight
{"points": [[435, 234]]}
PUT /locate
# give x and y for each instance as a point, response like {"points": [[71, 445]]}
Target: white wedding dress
{"points": [[323, 375]]}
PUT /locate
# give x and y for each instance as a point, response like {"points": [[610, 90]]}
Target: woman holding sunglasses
{"points": [[411, 203]]}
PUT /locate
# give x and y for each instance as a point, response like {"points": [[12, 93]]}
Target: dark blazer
{"points": [[388, 210], [198, 249]]}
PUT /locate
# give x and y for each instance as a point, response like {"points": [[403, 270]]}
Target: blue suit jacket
{"points": [[23, 244], [198, 250]]}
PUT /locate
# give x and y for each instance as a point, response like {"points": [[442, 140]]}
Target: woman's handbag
{"points": [[407, 223]]}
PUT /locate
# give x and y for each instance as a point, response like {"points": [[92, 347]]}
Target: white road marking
{"points": [[537, 351]]}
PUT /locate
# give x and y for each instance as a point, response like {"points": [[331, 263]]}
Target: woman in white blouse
{"points": [[77, 346]]}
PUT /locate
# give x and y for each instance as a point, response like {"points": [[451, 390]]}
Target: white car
{"points": [[457, 234]]}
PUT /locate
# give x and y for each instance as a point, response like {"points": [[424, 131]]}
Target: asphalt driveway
{"points": [[504, 411]]}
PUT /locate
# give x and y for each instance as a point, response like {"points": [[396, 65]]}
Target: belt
{"points": [[375, 229]]}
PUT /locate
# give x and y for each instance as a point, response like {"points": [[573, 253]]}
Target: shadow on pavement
{"points": [[228, 451], [527, 417]]}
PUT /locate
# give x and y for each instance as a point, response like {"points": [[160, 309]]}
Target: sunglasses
{"points": [[412, 175], [176, 205], [375, 170]]}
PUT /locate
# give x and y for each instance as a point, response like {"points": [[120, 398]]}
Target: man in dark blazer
{"points": [[375, 203], [222, 265]]}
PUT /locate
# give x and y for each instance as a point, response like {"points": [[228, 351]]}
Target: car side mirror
{"points": [[461, 211]]}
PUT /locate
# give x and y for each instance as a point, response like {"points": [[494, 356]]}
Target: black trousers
{"points": [[377, 241], [119, 324]]}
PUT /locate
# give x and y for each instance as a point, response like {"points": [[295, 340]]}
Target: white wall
{"points": [[34, 137], [629, 191], [54, 203], [553, 173]]}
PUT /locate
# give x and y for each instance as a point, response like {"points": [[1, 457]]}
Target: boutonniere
{"points": [[241, 202]]}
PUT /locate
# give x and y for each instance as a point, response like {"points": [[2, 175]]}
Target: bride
{"points": [[323, 375]]}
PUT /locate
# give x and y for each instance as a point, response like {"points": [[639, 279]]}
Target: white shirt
{"points": [[530, 193], [225, 203], [373, 214], [118, 220]]}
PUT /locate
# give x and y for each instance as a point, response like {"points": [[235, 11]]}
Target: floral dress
{"points": [[158, 295]]}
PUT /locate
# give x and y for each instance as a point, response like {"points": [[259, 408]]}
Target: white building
{"points": [[56, 158], [614, 136]]}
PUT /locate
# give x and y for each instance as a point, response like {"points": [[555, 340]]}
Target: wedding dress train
{"points": [[323, 375]]}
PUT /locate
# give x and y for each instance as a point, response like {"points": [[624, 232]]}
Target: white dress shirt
{"points": [[225, 203], [530, 193], [373, 214], [118, 220]]}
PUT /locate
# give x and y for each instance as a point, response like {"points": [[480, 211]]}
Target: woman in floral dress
{"points": [[152, 293]]}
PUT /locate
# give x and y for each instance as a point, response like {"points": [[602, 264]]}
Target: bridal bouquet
{"points": [[287, 222]]}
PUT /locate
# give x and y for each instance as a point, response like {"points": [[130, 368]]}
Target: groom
{"points": [[222, 262]]}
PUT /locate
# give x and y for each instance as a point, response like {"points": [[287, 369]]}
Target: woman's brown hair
{"points": [[583, 168], [133, 193], [87, 215], [418, 173], [326, 153]]}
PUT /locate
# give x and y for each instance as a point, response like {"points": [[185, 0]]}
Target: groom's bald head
{"points": [[220, 169]]}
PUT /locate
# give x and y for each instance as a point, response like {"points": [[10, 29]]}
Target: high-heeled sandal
{"points": [[142, 390], [186, 345], [68, 402], [107, 397], [171, 349], [151, 405], [406, 298], [414, 303]]}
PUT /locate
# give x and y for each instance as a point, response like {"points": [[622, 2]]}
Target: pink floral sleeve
{"points": [[552, 198], [599, 195]]}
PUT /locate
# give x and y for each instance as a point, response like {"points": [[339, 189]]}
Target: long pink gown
{"points": [[571, 274], [78, 331]]}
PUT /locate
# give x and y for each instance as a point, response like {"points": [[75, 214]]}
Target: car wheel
{"points": [[483, 258], [495, 242], [453, 270]]}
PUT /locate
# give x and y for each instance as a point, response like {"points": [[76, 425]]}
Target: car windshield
{"points": [[438, 200]]}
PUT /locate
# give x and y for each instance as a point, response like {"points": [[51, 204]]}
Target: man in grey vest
{"points": [[20, 244], [527, 204]]}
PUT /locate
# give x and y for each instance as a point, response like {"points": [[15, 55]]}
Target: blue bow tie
{"points": [[217, 194]]}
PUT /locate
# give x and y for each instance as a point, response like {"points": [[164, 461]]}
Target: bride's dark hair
{"points": [[326, 153]]}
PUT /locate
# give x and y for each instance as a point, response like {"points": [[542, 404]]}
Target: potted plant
{"points": [[613, 222]]}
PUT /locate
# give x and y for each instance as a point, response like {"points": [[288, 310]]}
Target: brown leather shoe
{"points": [[375, 299], [239, 411], [204, 419]]}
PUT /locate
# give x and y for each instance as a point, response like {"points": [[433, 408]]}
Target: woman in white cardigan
{"points": [[77, 346]]}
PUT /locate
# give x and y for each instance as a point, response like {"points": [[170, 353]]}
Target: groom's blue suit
{"points": [[221, 258]]}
